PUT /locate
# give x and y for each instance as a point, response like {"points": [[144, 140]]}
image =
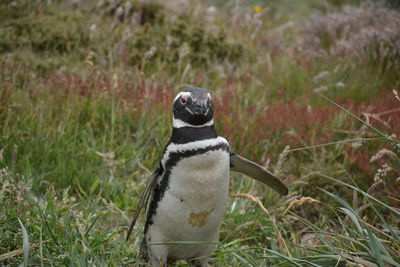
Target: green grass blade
{"points": [[320, 234], [357, 118], [339, 142], [376, 248], [92, 225], [353, 218], [357, 189], [382, 219], [25, 244], [289, 259]]}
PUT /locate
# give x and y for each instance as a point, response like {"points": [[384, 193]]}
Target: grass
{"points": [[85, 102]]}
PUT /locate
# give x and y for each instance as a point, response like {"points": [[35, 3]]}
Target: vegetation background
{"points": [[85, 111]]}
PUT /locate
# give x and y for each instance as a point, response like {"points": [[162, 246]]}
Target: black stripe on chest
{"points": [[185, 135], [172, 161]]}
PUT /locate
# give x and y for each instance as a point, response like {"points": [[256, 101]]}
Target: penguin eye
{"points": [[184, 99]]}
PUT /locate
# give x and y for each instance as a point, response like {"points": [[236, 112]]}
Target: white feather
{"points": [[198, 189], [182, 94], [173, 148], [177, 123]]}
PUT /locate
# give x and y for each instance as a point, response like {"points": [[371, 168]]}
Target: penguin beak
{"points": [[200, 107]]}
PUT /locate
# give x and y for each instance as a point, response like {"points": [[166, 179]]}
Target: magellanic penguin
{"points": [[187, 194]]}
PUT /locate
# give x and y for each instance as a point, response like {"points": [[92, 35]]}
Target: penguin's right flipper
{"points": [[255, 171], [144, 199]]}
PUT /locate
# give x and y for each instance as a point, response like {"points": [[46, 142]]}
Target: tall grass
{"points": [[85, 100]]}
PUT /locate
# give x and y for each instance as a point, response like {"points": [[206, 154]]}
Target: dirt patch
{"points": [[198, 219]]}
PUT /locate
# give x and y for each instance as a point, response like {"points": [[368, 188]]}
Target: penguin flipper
{"points": [[144, 199], [255, 171]]}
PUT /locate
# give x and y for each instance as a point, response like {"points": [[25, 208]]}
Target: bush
{"points": [[368, 32], [150, 35], [54, 33]]}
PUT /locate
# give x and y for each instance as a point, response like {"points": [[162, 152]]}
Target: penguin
{"points": [[186, 196]]}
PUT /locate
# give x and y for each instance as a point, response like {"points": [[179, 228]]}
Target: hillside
{"points": [[309, 89]]}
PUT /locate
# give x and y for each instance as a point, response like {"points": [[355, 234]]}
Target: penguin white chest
{"points": [[195, 201], [202, 181]]}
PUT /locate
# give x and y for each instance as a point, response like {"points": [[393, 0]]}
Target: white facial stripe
{"points": [[173, 148], [188, 109], [209, 96], [177, 123], [186, 94]]}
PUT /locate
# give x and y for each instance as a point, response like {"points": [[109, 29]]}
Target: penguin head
{"points": [[193, 107]]}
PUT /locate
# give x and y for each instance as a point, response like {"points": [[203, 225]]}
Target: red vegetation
{"points": [[294, 123], [383, 113]]}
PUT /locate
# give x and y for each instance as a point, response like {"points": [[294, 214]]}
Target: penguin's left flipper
{"points": [[249, 168], [143, 199]]}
